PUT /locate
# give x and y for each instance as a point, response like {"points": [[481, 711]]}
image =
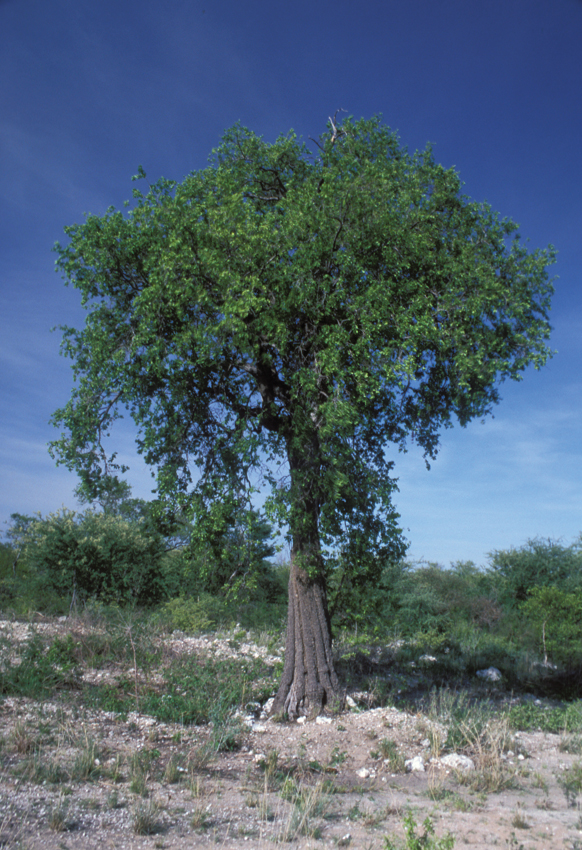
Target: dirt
{"points": [[303, 785]]}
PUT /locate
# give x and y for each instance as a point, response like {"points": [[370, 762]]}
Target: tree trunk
{"points": [[309, 681]]}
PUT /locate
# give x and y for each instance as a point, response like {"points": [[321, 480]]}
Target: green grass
{"points": [[198, 690], [558, 719]]}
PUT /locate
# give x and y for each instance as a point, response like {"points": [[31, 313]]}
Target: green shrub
{"points": [[539, 563], [556, 618], [90, 554], [195, 615]]}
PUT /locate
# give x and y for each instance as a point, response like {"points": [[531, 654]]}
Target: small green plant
{"points": [[41, 770], [113, 801], [425, 841], [200, 818], [269, 767], [519, 822], [337, 757], [540, 782], [174, 771], [140, 765], [22, 738], [85, 765], [145, 818], [571, 744], [571, 783], [57, 819], [308, 805], [390, 753]]}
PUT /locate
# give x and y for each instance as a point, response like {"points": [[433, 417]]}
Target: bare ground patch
{"points": [[82, 777]]}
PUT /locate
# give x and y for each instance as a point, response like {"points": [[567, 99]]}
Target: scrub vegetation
{"points": [[520, 612], [197, 657]]}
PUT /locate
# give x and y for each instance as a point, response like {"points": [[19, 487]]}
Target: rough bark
{"points": [[309, 681]]}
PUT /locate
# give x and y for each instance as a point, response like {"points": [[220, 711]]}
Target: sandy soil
{"points": [[303, 785]]}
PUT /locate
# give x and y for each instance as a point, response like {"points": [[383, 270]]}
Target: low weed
{"points": [[426, 840], [57, 817], [534, 716], [144, 819], [571, 744], [174, 771], [308, 805], [22, 739], [571, 783], [39, 769], [200, 818], [140, 769], [85, 766], [519, 822], [390, 753], [34, 675], [196, 689]]}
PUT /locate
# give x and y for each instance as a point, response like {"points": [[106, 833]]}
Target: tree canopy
{"points": [[287, 313]]}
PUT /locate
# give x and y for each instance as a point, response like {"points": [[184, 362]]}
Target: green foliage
{"points": [[233, 565], [284, 306], [198, 690], [96, 555], [195, 615], [422, 841], [556, 618], [365, 596], [431, 597], [539, 563], [35, 674], [557, 719]]}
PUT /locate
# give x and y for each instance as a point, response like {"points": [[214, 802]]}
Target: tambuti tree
{"points": [[285, 314]]}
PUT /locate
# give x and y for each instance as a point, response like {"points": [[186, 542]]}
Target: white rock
{"points": [[363, 773], [350, 703], [458, 762], [258, 727], [415, 765], [491, 674], [301, 720], [267, 708], [323, 721]]}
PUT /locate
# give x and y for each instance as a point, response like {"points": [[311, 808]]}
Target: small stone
{"points": [[350, 703], [267, 708], [322, 721], [458, 762], [363, 773], [258, 727], [300, 721], [415, 765], [491, 674]]}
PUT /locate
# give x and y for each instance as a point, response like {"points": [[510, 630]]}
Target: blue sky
{"points": [[91, 90]]}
